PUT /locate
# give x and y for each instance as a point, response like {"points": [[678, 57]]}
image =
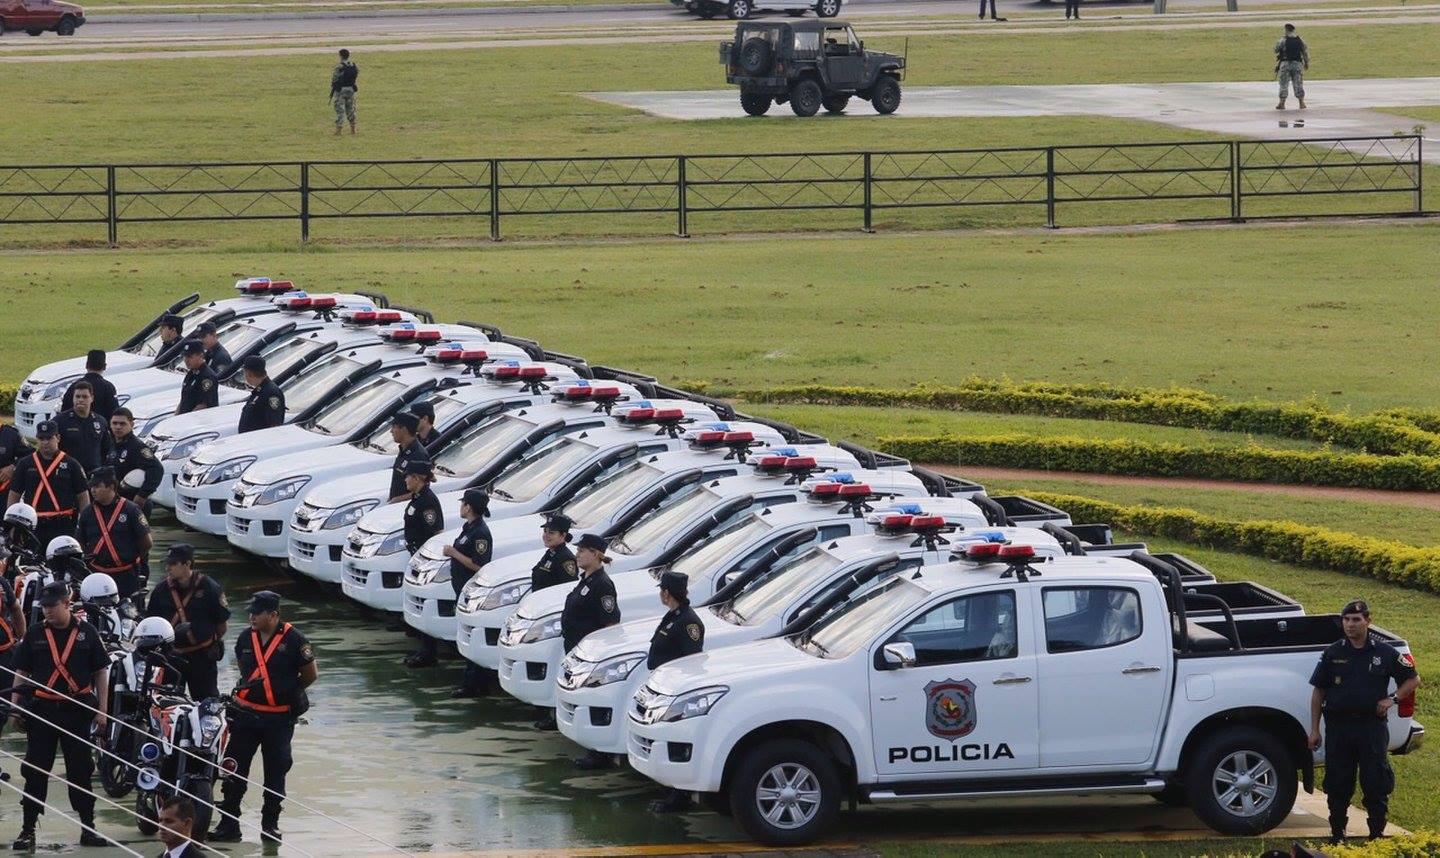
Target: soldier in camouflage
{"points": [[1292, 60], [342, 91]]}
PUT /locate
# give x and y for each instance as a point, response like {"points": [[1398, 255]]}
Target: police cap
{"points": [[264, 601], [205, 328], [103, 477], [1356, 606], [173, 320], [418, 467], [95, 359], [46, 429], [677, 584], [406, 419], [559, 523], [191, 347], [423, 409], [593, 541], [477, 499], [53, 594], [255, 364], [180, 552]]}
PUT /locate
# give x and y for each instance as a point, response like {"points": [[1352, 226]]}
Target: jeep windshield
{"points": [[768, 594], [704, 556], [150, 346], [480, 445], [857, 624], [347, 413], [599, 501], [533, 474], [663, 523]]}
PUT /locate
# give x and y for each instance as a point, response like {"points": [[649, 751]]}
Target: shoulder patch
{"points": [[429, 516], [147, 453], [569, 566], [693, 630], [206, 384], [608, 603], [307, 653], [274, 402], [143, 521]]}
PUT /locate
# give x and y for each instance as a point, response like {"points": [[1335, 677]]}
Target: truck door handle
{"points": [[1133, 670], [887, 698], [1012, 680]]}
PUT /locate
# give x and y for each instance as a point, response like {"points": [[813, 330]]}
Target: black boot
{"points": [[26, 841], [595, 761], [228, 831], [270, 826], [1377, 828], [91, 837], [546, 721]]}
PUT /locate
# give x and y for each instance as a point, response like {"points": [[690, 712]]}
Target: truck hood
{"points": [[152, 405], [261, 442], [337, 492], [148, 379], [508, 536], [633, 636], [512, 567], [758, 661], [225, 419], [306, 463], [115, 362]]}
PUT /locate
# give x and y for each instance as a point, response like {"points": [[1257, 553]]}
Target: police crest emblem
{"points": [[950, 708], [608, 603]]}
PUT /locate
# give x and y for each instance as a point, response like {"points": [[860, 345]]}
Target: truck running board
{"points": [[1079, 788]]}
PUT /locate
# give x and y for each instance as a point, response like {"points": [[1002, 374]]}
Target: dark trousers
{"points": [[201, 675], [42, 740], [1351, 745], [270, 735], [993, 10], [49, 528], [1072, 7]]}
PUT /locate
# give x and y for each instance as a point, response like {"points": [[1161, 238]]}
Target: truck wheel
{"points": [[754, 103], [785, 793], [1241, 781], [66, 27], [835, 103], [805, 98], [738, 10], [886, 96], [827, 8], [754, 56]]}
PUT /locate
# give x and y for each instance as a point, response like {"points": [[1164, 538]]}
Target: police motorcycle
{"points": [[25, 551], [64, 561], [180, 744]]}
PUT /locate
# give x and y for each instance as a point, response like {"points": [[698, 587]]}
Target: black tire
{"points": [[147, 813], [805, 98], [1236, 810], [885, 98], [738, 10], [1173, 795], [755, 57], [755, 103], [800, 763], [827, 8], [116, 777], [706, 13], [202, 794], [34, 32], [66, 27], [795, 13], [835, 103]]}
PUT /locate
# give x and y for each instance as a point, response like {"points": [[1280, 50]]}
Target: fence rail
{"points": [[680, 186]]}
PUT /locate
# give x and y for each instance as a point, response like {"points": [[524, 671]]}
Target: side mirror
{"points": [[899, 654]]}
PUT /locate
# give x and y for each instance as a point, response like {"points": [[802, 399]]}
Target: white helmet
{"points": [[99, 589], [133, 479], [62, 547], [22, 514], [152, 632]]}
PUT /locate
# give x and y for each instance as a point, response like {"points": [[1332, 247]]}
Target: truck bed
{"points": [[1244, 598], [1209, 634]]}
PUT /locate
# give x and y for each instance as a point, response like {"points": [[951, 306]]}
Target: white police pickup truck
{"points": [[1012, 677]]}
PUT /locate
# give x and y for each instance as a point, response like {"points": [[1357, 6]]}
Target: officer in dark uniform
{"points": [[84, 434], [104, 402], [62, 671], [12, 629], [276, 666], [114, 533], [468, 555], [425, 430], [172, 328], [423, 519], [201, 387], [679, 634], [128, 453], [12, 447], [1352, 692], [589, 607], [215, 354], [403, 428], [557, 564], [266, 406], [51, 482], [196, 606]]}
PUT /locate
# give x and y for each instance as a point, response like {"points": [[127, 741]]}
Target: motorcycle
{"points": [[185, 747]]}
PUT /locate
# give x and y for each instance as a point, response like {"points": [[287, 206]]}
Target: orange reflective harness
{"points": [[262, 672], [44, 486], [10, 639], [180, 606], [106, 543], [61, 672]]}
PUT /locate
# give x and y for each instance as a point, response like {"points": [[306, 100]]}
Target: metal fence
{"points": [[1229, 173]]}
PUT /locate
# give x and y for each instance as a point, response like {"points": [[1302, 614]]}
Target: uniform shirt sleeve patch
{"points": [[482, 544], [146, 453], [429, 516], [570, 568], [608, 603], [274, 402], [306, 653], [693, 630]]}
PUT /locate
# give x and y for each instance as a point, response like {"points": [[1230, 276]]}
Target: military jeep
{"points": [[811, 64]]}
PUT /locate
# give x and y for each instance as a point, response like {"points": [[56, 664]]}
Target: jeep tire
{"points": [[785, 792], [755, 56], [805, 97], [1241, 781], [827, 8], [885, 97], [754, 103], [738, 10], [835, 103]]}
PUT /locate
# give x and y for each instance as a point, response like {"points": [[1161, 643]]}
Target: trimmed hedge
{"points": [[1282, 541], [7, 399], [1393, 432], [1419, 844], [1120, 456]]}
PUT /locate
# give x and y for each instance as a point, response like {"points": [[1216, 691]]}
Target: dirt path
{"points": [[1424, 500]]}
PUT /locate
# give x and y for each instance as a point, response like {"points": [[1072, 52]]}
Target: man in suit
{"points": [[177, 820]]}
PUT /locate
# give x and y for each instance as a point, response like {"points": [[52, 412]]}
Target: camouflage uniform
{"points": [[1291, 72], [342, 96]]}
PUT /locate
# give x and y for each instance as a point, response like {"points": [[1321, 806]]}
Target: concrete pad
{"points": [[1235, 109]]}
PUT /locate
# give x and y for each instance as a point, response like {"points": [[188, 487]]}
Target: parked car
{"points": [[38, 16], [810, 64]]}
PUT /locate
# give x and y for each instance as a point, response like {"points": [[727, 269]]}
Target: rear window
{"points": [[807, 41]]}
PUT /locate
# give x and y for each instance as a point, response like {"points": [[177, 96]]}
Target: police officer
{"points": [[215, 354], [425, 431], [114, 533], [423, 519], [104, 402], [468, 555], [63, 680], [1352, 692], [12, 630], [404, 427], [201, 387], [84, 434], [265, 407], [196, 606], [51, 482], [1292, 60], [276, 666], [557, 564], [591, 606], [128, 453], [679, 634], [344, 83], [12, 447], [172, 328]]}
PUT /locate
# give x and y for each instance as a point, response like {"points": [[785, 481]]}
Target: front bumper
{"points": [[528, 671], [431, 609], [27, 414], [319, 554], [262, 529], [204, 508], [165, 495], [595, 718], [377, 582], [477, 635], [676, 754]]}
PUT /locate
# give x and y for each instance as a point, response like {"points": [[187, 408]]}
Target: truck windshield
{"points": [[533, 474], [769, 593], [345, 414], [236, 337], [280, 358], [480, 445], [304, 390], [663, 523], [705, 556], [861, 621], [601, 500], [150, 346]]}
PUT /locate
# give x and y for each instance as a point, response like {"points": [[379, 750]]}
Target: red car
{"points": [[37, 16]]}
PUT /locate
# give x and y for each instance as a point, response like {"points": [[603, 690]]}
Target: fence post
{"points": [[869, 209], [1419, 174], [1235, 181], [304, 202], [1050, 187], [111, 229], [682, 226], [494, 199]]}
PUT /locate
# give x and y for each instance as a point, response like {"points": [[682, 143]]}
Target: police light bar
{"points": [[452, 355], [398, 335], [824, 491], [428, 336], [739, 437], [669, 416], [982, 552], [252, 285], [319, 303], [278, 286], [708, 438], [574, 393], [296, 302], [895, 523], [605, 394], [770, 464], [927, 522], [801, 463], [1017, 553], [535, 371], [636, 416], [360, 317], [505, 372], [854, 490]]}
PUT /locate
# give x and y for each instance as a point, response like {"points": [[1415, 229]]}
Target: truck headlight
{"points": [[501, 595], [693, 704], [228, 471], [427, 570], [391, 544], [347, 515], [186, 447], [614, 669], [544, 629], [58, 387], [282, 491]]}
